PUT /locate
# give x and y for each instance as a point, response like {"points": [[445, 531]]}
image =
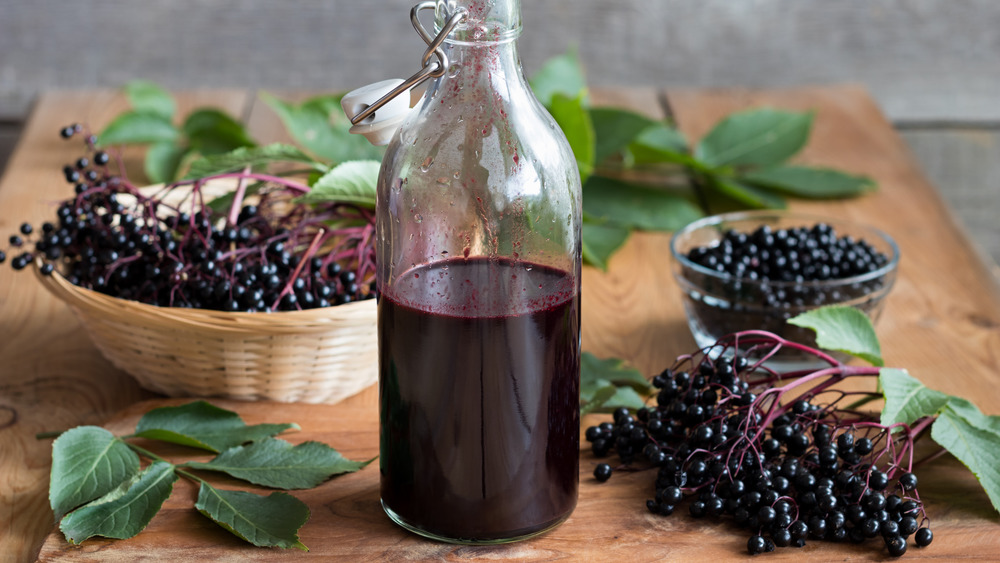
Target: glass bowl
{"points": [[718, 303]]}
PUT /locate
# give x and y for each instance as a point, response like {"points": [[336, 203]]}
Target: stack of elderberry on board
{"points": [[174, 248], [726, 445]]}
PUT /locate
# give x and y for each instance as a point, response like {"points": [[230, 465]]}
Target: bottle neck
{"points": [[487, 21]]}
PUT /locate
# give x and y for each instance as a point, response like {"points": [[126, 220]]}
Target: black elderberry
{"points": [[798, 444], [870, 527], [698, 509], [863, 446], [602, 472], [619, 414], [908, 508], [878, 480], [923, 537], [672, 495], [798, 530], [908, 481], [756, 544], [907, 526], [892, 503], [593, 433], [601, 447], [873, 501], [896, 546], [766, 515]]}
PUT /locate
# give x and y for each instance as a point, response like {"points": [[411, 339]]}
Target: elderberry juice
{"points": [[479, 365]]}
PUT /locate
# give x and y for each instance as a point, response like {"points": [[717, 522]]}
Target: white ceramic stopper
{"points": [[379, 127]]}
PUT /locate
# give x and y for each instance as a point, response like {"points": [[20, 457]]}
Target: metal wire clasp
{"points": [[431, 68]]}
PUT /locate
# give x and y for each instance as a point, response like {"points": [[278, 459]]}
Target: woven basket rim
{"points": [[307, 320]]}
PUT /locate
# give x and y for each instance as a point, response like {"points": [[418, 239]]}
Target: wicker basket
{"points": [[312, 356]]}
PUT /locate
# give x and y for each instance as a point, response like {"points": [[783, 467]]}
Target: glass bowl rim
{"points": [[761, 214]]}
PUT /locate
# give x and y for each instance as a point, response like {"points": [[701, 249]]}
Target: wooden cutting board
{"points": [[610, 522]]}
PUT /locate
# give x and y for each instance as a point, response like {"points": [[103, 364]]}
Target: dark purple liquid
{"points": [[479, 365]]}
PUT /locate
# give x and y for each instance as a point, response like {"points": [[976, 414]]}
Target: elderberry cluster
{"points": [[797, 254], [275, 255], [723, 443]]}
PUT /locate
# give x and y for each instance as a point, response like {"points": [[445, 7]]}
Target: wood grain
{"points": [[942, 322], [610, 522], [51, 376]]}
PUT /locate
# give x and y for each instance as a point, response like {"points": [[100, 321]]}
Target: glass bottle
{"points": [[479, 255]]}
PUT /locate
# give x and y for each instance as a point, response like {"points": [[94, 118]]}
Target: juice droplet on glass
{"points": [[418, 218], [426, 165]]}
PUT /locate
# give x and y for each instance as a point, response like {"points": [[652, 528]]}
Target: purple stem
{"points": [[241, 190]]}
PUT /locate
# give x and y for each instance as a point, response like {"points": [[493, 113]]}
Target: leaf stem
{"points": [[148, 454]]}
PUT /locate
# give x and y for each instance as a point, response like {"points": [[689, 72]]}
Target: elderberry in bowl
{"points": [[757, 269]]}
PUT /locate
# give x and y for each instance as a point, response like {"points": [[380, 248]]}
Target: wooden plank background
{"points": [[922, 59], [932, 65]]}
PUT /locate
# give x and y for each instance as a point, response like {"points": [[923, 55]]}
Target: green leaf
{"points": [[745, 193], [87, 463], [611, 369], [813, 183], [163, 160], [610, 383], [350, 182], [974, 446], [559, 75], [138, 127], [616, 129], [271, 521], [148, 97], [906, 398], [761, 137], [125, 511], [253, 157], [210, 131], [596, 399], [575, 123], [843, 329], [624, 397], [600, 242], [626, 205], [203, 425], [276, 463], [318, 124], [662, 143], [973, 415]]}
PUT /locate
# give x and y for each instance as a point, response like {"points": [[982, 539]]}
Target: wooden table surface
{"points": [[942, 322]]}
